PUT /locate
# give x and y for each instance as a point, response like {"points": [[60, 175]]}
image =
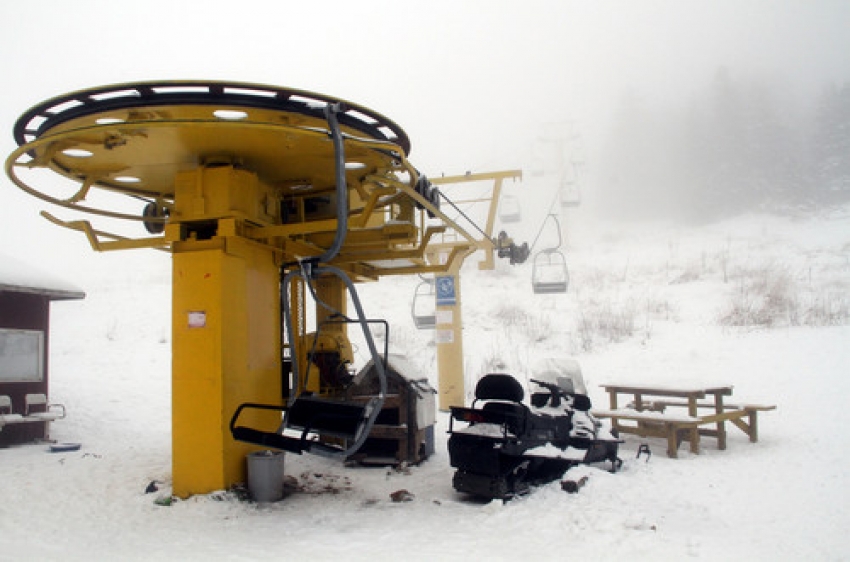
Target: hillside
{"points": [[759, 302]]}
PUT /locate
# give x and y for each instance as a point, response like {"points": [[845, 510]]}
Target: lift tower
{"points": [[265, 196]]}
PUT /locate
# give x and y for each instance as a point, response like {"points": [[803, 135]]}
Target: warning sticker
{"points": [[444, 336], [197, 319], [444, 316]]}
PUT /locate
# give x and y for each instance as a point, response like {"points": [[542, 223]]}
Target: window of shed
{"points": [[21, 355]]}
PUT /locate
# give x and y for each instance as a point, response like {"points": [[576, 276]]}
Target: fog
{"points": [[476, 85]]}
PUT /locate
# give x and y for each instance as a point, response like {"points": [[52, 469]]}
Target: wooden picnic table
{"points": [[648, 409]]}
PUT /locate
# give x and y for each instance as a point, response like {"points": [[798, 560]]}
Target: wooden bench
{"points": [[674, 429], [749, 411], [652, 418]]}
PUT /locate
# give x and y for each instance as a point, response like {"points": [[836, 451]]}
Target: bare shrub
{"points": [[493, 362], [510, 315], [604, 322], [723, 257], [538, 329], [693, 272], [518, 322], [768, 296], [599, 278], [828, 309], [655, 308], [659, 308], [632, 308], [765, 296]]}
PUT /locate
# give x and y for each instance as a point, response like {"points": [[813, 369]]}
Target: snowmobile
{"points": [[507, 446]]}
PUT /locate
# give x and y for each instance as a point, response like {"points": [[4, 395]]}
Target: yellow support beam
{"points": [[449, 338], [225, 351]]}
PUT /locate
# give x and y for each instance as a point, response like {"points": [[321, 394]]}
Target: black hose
{"points": [[341, 188]]}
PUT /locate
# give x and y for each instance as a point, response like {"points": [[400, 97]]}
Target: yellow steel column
{"points": [[449, 339], [331, 291], [332, 297], [225, 351]]}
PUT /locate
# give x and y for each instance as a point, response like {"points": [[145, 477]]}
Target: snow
{"points": [[783, 498], [23, 277], [483, 430], [551, 452]]}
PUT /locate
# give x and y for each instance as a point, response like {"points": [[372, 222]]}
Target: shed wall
{"points": [[25, 311]]}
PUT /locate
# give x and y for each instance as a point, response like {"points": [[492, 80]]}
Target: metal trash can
{"points": [[265, 476]]}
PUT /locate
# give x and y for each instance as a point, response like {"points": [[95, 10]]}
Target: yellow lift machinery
{"points": [[269, 199]]}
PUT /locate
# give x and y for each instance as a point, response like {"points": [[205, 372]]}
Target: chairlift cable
{"points": [[467, 206], [464, 215], [543, 224]]}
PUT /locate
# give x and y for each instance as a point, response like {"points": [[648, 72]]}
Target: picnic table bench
{"points": [[705, 414]]}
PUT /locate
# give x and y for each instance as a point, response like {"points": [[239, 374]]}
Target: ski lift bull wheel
{"points": [[549, 273]]}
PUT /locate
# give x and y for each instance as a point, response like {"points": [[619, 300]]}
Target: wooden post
{"points": [[694, 430], [721, 425], [754, 432], [672, 441], [612, 398]]}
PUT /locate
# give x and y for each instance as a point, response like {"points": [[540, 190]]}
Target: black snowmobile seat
{"points": [[504, 394], [514, 415], [499, 386]]}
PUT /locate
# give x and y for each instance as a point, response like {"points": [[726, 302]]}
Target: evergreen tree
{"points": [[740, 146]]}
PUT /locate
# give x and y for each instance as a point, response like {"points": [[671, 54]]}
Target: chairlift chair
{"points": [[311, 423], [549, 273], [509, 210], [549, 270], [422, 308], [569, 193]]}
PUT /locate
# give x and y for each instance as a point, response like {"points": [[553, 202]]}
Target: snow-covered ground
{"points": [[784, 498]]}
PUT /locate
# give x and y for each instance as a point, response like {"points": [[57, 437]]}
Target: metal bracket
{"points": [[116, 242]]}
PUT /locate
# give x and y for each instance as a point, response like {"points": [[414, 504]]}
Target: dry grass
{"points": [[521, 323], [768, 295], [607, 322]]}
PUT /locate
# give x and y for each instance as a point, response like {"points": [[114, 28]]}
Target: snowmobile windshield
{"points": [[564, 372]]}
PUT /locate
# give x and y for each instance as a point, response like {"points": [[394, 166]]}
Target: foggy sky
{"points": [[472, 83]]}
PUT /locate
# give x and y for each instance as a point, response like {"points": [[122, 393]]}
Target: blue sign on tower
{"points": [[446, 290]]}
